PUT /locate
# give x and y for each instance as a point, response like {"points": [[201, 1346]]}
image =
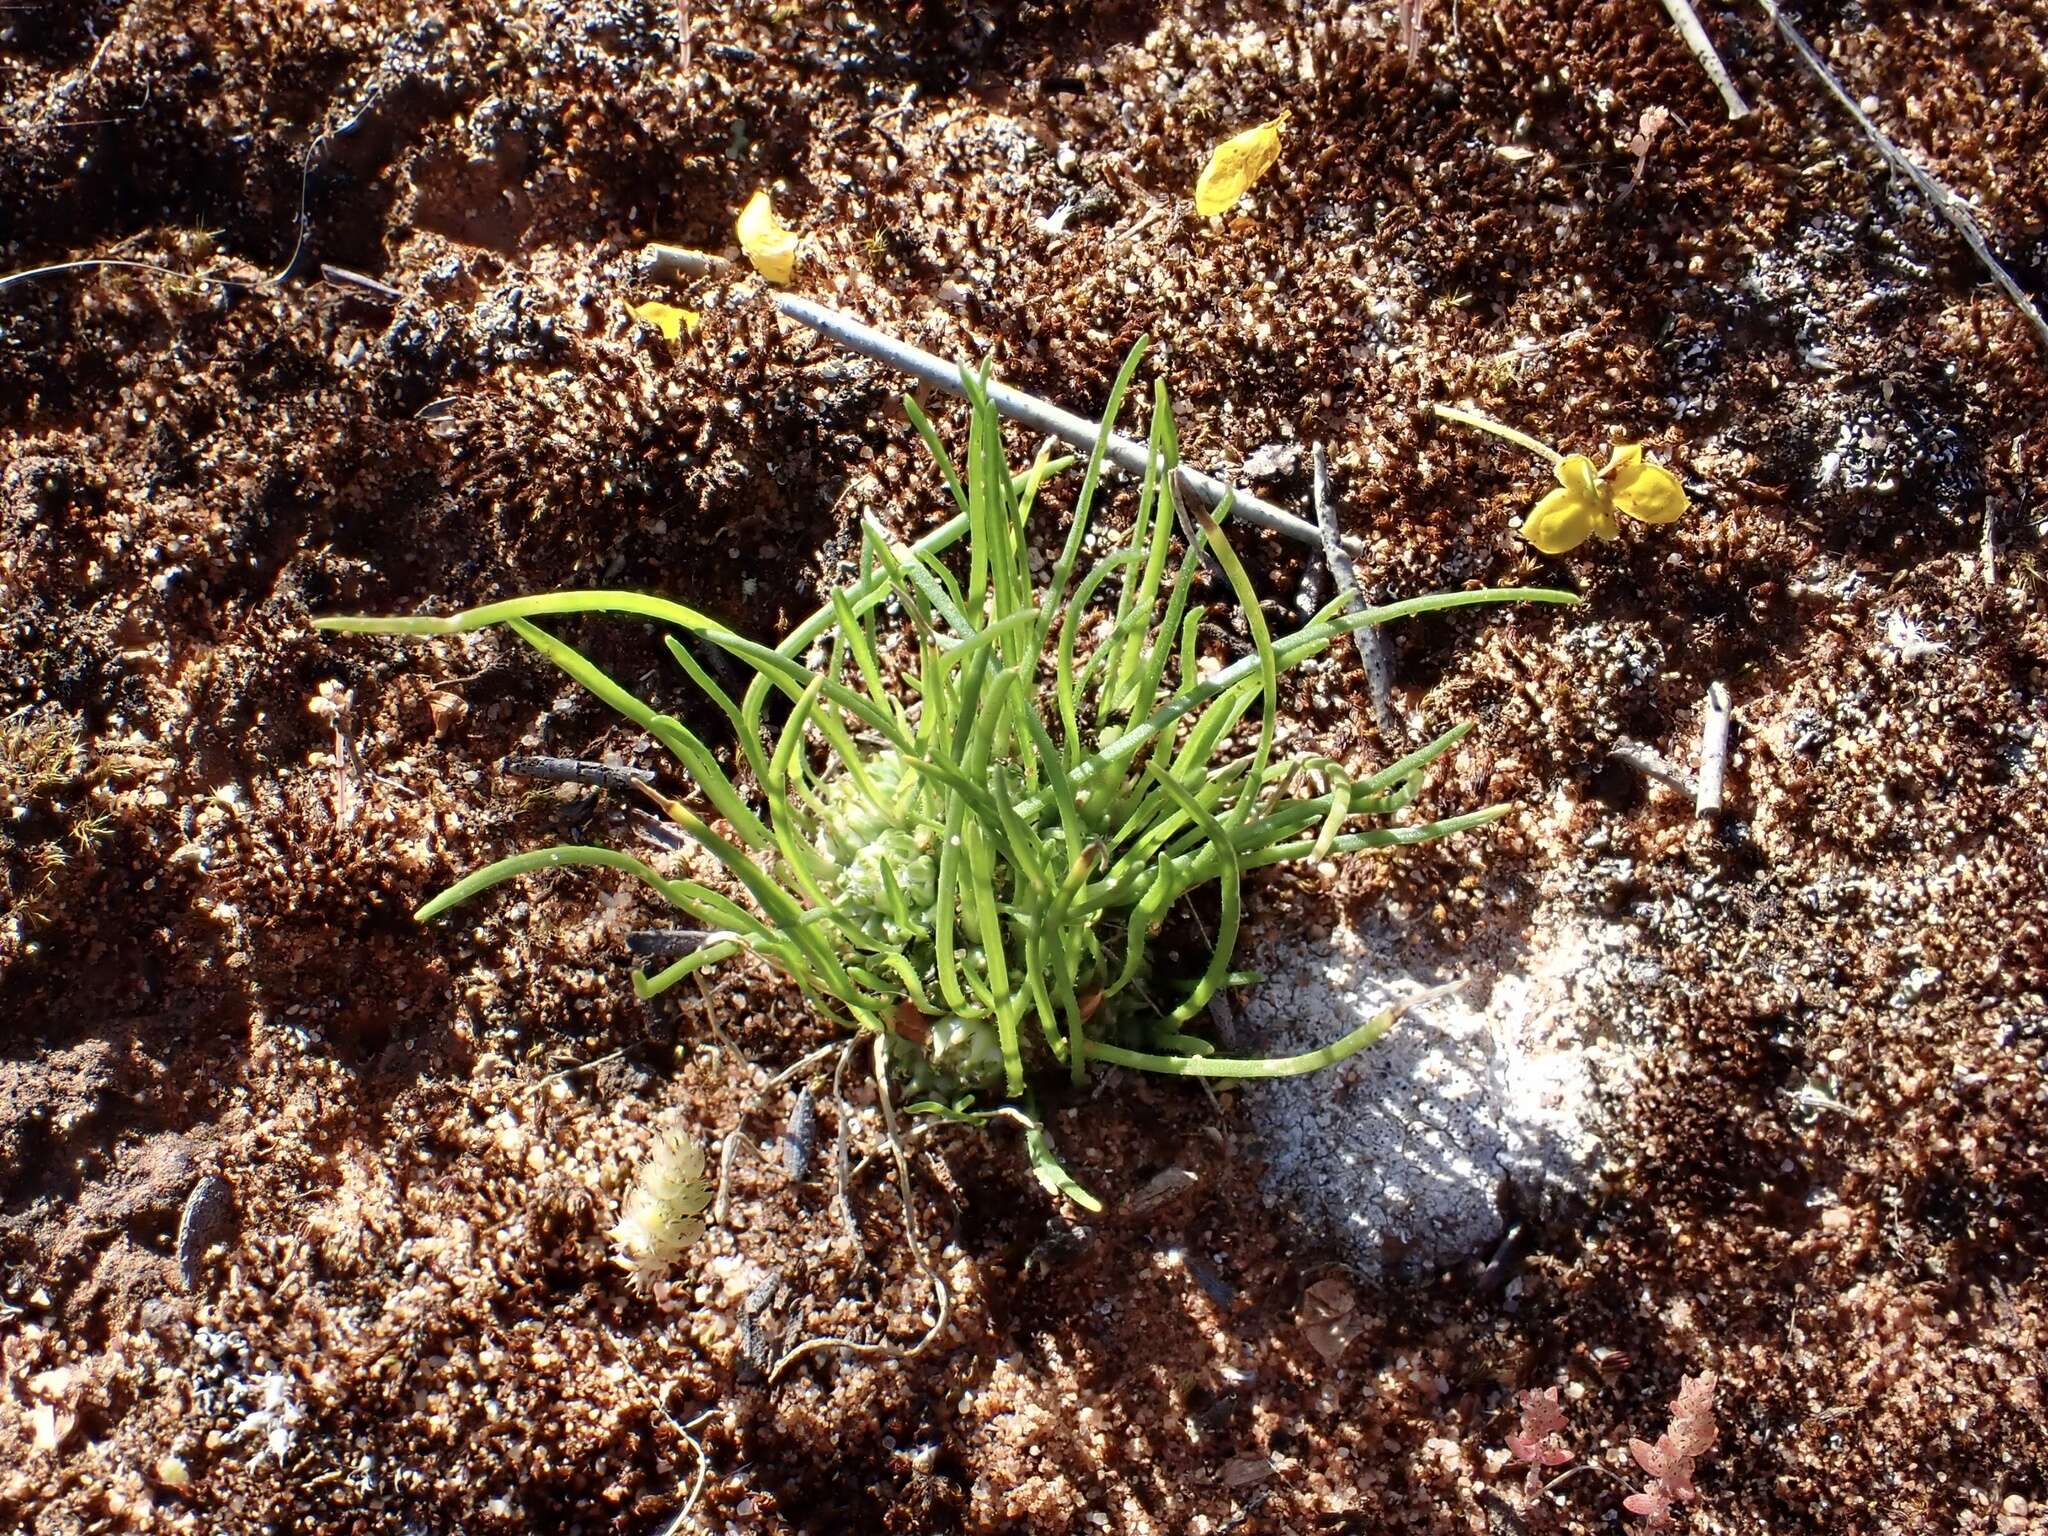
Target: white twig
{"points": [[1413, 34], [1713, 750], [687, 1431], [1945, 202], [1702, 47], [1652, 764], [1990, 549], [1372, 650], [721, 1208], [275, 279], [1126, 453], [661, 260], [843, 1119], [349, 277]]}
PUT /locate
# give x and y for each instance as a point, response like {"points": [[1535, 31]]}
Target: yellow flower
{"points": [[1580, 509], [1235, 164], [769, 245], [1647, 492], [1585, 502]]}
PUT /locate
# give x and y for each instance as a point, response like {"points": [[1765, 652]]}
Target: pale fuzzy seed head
{"points": [[662, 1214]]}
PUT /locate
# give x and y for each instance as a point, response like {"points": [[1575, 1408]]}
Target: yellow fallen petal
{"points": [[769, 246], [1576, 474], [666, 318], [1563, 520], [1647, 492], [1235, 164]]}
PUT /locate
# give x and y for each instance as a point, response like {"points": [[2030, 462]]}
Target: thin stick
{"points": [[1413, 36], [685, 1430], [697, 1479], [732, 1052], [576, 770], [683, 49], [668, 943], [1702, 47], [722, 1208], [843, 1123], [1652, 764], [1713, 750], [1990, 545], [1126, 453], [1945, 202], [918, 1133], [94, 262], [662, 260], [542, 1084], [1372, 650], [275, 279], [350, 277]]}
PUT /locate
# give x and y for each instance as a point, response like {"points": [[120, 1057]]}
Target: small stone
{"points": [[800, 1140], [208, 1211], [448, 710]]}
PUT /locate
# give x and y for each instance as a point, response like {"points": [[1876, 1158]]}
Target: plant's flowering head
{"points": [[863, 839], [1584, 504], [968, 1052], [944, 1058], [663, 1213]]}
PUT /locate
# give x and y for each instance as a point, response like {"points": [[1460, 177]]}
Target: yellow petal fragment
{"points": [[769, 246], [1564, 520], [1576, 474], [1235, 164], [1647, 492], [666, 318]]}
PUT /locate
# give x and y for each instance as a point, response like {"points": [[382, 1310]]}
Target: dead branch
{"points": [[1702, 47], [1944, 202]]}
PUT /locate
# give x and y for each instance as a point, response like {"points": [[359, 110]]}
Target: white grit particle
{"points": [[1401, 1153]]}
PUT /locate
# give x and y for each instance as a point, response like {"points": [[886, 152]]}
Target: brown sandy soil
{"points": [[1830, 1185]]}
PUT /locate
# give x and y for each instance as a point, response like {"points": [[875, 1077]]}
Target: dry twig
{"points": [[1713, 750], [575, 770], [686, 1431], [1652, 764], [1702, 47], [1127, 453], [722, 1207], [1944, 202], [275, 279], [665, 260]]}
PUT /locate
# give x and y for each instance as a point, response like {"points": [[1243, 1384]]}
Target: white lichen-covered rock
{"points": [[1402, 1152]]}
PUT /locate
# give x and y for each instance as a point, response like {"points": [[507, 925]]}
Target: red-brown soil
{"points": [[1829, 1187]]}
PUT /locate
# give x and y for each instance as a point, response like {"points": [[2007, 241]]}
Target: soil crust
{"points": [[303, 1207]]}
